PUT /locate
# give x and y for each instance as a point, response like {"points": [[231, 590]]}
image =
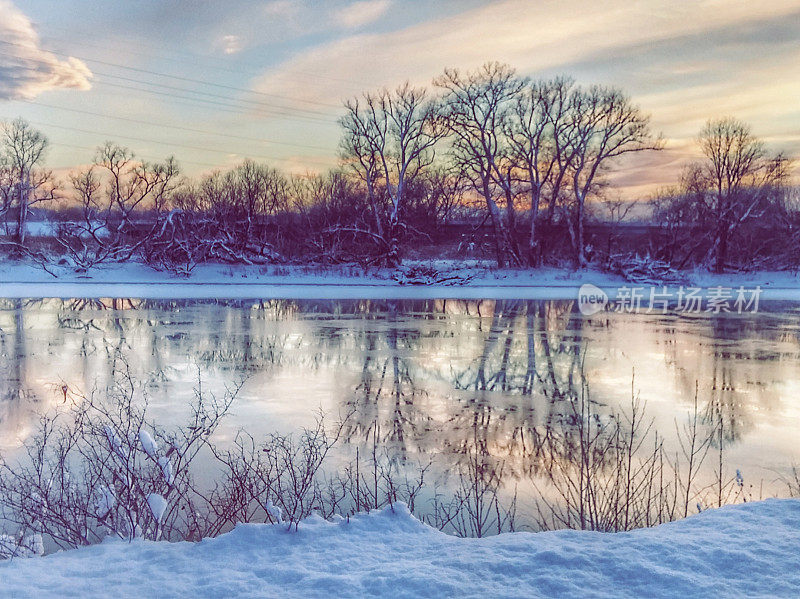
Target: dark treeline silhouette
{"points": [[486, 164]]}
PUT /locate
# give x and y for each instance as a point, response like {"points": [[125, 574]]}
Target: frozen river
{"points": [[427, 379]]}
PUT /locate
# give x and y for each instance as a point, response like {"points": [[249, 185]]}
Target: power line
{"points": [[145, 140], [191, 58], [178, 127], [192, 102], [66, 145], [211, 95], [177, 77], [279, 111], [153, 158], [226, 107]]}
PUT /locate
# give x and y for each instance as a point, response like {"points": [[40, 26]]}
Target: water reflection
{"points": [[446, 379]]}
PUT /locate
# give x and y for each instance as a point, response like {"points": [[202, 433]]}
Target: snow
{"points": [[274, 511], [29, 546], [287, 282], [105, 502], [158, 505], [744, 550], [166, 470], [33, 228], [148, 444]]}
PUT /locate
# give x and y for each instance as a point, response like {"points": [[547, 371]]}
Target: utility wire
{"points": [[281, 111], [178, 127], [177, 145], [176, 77], [220, 106], [255, 103], [77, 147], [190, 57]]}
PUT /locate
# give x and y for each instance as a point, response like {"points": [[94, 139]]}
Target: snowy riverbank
{"points": [[472, 280], [744, 550]]}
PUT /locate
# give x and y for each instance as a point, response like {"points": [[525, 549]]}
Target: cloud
{"points": [[531, 36], [655, 52], [230, 44], [25, 69], [362, 13], [280, 8]]}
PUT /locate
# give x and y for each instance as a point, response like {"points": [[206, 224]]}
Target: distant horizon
{"points": [[214, 85]]}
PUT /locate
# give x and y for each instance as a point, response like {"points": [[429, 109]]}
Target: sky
{"points": [[212, 83]]}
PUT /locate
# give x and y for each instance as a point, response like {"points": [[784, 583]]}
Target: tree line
{"points": [[526, 158]]}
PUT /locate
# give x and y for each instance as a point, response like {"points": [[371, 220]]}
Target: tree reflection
{"points": [[490, 382], [384, 405]]}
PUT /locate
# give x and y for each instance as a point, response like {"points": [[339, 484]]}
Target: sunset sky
{"points": [[213, 83]]}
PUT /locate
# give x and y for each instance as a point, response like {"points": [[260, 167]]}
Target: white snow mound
{"points": [[744, 550]]}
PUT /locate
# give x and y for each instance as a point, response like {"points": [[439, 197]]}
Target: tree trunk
{"points": [[393, 258], [533, 241], [374, 207], [22, 215], [506, 254], [722, 248], [497, 227], [511, 227], [580, 254]]}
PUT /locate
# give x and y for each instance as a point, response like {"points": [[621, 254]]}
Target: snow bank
{"points": [[744, 550], [19, 280]]}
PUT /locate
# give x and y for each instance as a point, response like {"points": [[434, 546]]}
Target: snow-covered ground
{"points": [[471, 280], [750, 550]]}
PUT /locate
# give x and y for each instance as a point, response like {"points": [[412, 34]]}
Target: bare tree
{"points": [[111, 193], [603, 125], [737, 179], [438, 195], [389, 138], [536, 133], [22, 181], [362, 136], [252, 191], [329, 205], [477, 108], [225, 216], [734, 196]]}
